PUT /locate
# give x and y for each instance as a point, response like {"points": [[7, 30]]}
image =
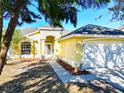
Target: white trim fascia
{"points": [[39, 30], [33, 33], [86, 40], [98, 36], [28, 37]]}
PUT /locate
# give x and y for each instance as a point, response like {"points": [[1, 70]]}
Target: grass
{"points": [[33, 77]]}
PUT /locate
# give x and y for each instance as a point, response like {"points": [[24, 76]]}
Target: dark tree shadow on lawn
{"points": [[97, 86], [38, 79]]}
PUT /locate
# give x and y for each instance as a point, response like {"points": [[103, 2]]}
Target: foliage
{"points": [[69, 8], [117, 11], [15, 44], [54, 11]]}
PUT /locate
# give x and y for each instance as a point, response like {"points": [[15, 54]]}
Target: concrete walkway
{"points": [[66, 77], [113, 76]]}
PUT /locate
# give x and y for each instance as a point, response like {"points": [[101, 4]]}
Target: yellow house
{"points": [[88, 45], [40, 42], [93, 46]]}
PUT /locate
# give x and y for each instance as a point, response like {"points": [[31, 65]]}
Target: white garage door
{"points": [[102, 54]]}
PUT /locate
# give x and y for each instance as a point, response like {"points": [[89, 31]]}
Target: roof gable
{"points": [[43, 28], [28, 31], [95, 30]]}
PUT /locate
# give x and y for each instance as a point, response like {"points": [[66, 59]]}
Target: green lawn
{"points": [[28, 77]]}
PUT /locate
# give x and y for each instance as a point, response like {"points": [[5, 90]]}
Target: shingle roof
{"points": [[95, 30], [46, 28], [66, 31], [28, 31]]}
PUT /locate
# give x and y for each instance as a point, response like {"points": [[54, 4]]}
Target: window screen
{"points": [[25, 48]]}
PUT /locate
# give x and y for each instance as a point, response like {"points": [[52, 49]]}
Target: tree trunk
{"points": [[1, 21], [7, 39]]}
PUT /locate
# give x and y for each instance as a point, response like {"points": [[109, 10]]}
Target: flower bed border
{"points": [[71, 69]]}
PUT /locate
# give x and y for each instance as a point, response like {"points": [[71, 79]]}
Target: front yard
{"points": [[34, 77]]}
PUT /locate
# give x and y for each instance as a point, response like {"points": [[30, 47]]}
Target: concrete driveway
{"points": [[113, 76]]}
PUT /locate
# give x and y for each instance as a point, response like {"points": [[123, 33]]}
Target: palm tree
{"points": [[1, 20], [54, 11]]}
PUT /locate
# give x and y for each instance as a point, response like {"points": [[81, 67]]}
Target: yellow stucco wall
{"points": [[72, 48], [68, 49]]}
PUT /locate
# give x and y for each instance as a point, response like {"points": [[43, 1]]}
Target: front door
{"points": [[48, 50]]}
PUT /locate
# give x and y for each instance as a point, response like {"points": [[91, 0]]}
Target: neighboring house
{"points": [[91, 45]]}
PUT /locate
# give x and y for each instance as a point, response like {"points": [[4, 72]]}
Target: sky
{"points": [[85, 17]]}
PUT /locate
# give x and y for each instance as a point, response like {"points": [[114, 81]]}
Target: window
{"points": [[25, 48]]}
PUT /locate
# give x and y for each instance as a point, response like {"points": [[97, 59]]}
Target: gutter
{"points": [[88, 35]]}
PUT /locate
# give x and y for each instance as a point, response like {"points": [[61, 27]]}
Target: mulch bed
{"points": [[71, 69]]}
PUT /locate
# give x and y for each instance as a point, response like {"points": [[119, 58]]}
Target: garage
{"points": [[103, 54]]}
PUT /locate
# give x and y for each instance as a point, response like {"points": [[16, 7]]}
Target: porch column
{"points": [[42, 47], [38, 46]]}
